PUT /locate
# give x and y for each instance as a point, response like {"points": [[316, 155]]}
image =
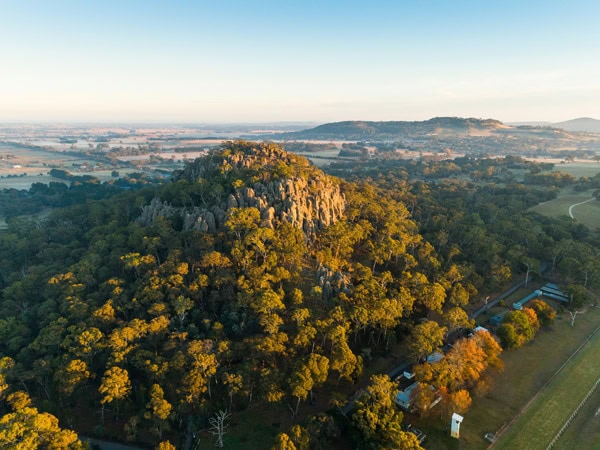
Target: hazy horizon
{"points": [[267, 62], [288, 123]]}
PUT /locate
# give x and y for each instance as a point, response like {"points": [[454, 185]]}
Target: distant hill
{"points": [[582, 124], [362, 130], [530, 124]]}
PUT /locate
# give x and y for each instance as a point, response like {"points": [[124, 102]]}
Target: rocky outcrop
{"points": [[304, 196], [332, 282]]}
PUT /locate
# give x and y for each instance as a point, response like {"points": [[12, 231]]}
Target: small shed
{"points": [[497, 319]]}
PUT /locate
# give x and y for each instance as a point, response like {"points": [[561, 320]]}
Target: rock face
{"points": [[332, 282], [282, 186]]}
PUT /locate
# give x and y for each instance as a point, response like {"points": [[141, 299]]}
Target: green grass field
{"points": [[587, 213], [579, 169], [560, 205], [526, 370], [585, 428], [538, 425]]}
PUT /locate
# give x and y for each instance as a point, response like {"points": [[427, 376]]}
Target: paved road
{"points": [[495, 300], [577, 204]]}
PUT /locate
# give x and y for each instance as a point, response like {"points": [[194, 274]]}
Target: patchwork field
{"points": [[21, 167]]}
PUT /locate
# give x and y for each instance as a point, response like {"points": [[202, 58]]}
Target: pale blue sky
{"points": [[244, 61]]}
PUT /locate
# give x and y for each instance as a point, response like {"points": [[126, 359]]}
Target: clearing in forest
{"points": [[587, 213]]}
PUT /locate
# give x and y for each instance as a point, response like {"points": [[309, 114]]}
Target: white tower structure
{"points": [[455, 425]]}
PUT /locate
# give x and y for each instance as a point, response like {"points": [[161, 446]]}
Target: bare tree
{"points": [[574, 314], [218, 427]]}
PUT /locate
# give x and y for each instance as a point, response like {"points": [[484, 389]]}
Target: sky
{"points": [[223, 61]]}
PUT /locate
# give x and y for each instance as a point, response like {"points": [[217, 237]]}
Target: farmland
{"points": [[21, 167], [579, 169]]}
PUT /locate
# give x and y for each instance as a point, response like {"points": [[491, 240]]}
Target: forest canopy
{"points": [[253, 278]]}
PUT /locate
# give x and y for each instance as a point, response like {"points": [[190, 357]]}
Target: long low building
{"points": [[552, 291], [519, 305], [549, 290]]}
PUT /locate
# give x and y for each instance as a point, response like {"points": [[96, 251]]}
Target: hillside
{"points": [[362, 130], [248, 283], [254, 283], [583, 124], [474, 137]]}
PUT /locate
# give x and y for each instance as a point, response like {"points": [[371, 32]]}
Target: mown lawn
{"points": [[588, 214], [526, 370], [252, 429], [584, 431], [551, 409], [560, 205]]}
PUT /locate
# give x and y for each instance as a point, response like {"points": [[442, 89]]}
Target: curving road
{"points": [[577, 204]]}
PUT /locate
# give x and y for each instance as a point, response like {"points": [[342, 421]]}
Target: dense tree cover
{"points": [[77, 190], [319, 433], [23, 427], [560, 179], [159, 328], [155, 326], [425, 339], [483, 231]]}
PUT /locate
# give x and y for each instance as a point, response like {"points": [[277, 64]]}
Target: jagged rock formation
{"points": [[282, 186], [331, 282]]}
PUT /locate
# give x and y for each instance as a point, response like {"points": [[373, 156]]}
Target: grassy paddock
{"points": [[588, 213], [551, 409], [579, 169], [585, 428], [560, 205], [526, 371]]}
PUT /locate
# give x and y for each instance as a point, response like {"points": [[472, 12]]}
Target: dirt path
{"points": [[577, 204]]}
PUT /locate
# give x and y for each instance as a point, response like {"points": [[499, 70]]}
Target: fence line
{"points": [[505, 426], [570, 419]]}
